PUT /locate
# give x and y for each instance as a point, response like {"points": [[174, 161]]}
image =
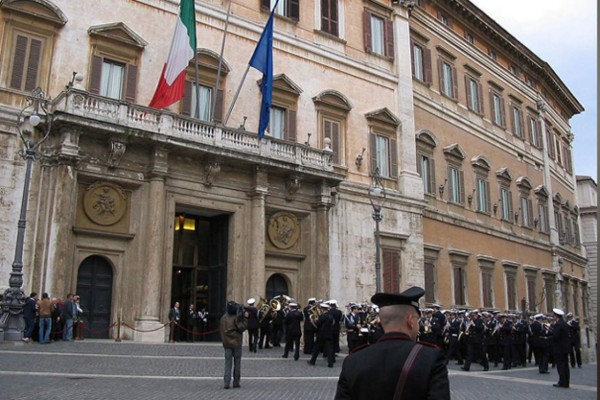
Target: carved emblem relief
{"points": [[283, 230], [104, 203]]}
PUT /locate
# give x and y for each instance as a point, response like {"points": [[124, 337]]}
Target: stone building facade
{"points": [[135, 208]]}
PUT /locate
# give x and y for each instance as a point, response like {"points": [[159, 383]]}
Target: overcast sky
{"points": [[562, 33]]}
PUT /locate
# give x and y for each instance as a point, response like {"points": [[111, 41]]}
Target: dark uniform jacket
{"points": [[560, 337], [292, 322], [372, 373]]}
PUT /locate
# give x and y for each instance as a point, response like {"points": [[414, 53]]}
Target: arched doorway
{"points": [[276, 285], [94, 286]]}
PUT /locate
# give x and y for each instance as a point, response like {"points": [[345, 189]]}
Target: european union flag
{"points": [[262, 60]]}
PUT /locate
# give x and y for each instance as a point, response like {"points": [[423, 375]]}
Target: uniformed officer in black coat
{"points": [[309, 328], [325, 332], [539, 342], [562, 346], [575, 354], [396, 367], [474, 334], [293, 333]]}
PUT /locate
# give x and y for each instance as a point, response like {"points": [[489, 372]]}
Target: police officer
{"points": [[353, 325], [416, 371], [561, 346]]}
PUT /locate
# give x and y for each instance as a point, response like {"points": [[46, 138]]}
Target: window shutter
{"points": [[35, 54], [18, 69], [419, 162], [395, 272], [95, 74], [412, 57], [480, 97], [461, 184], [457, 286], [334, 17], [510, 206], [389, 38], [387, 270], [441, 74], [373, 139], [393, 158], [488, 196], [432, 184], [492, 108], [367, 31], [131, 82], [427, 69], [529, 126], [295, 9], [218, 112], [266, 5], [335, 142], [539, 135], [503, 112], [291, 125], [530, 211], [468, 90], [454, 83], [186, 105]]}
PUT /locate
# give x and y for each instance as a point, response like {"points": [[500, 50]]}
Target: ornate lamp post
{"points": [[377, 198], [28, 120]]}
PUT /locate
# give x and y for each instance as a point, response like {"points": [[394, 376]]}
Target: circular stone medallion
{"points": [[104, 203], [284, 230]]}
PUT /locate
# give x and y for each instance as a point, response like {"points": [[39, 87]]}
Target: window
{"points": [[486, 266], [26, 62], [543, 217], [534, 132], [497, 103], [383, 126], [116, 52], [282, 119], [511, 288], [525, 203], [517, 121], [285, 8], [444, 19], [550, 142], [474, 98], [483, 195], [28, 36], [329, 17], [558, 225], [456, 183], [459, 276], [448, 79], [531, 288], [201, 100], [557, 150], [492, 54], [431, 256], [421, 63], [426, 144], [506, 203], [469, 38], [567, 157], [332, 111], [378, 35], [390, 269]]}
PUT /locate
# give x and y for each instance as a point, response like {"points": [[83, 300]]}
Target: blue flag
{"points": [[262, 60]]}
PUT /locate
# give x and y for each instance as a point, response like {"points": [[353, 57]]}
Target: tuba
{"points": [[314, 312]]}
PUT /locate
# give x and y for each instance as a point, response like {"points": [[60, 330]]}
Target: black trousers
{"points": [[474, 353], [575, 355], [454, 350], [252, 339], [562, 367], [292, 343], [309, 341], [542, 356], [325, 346]]}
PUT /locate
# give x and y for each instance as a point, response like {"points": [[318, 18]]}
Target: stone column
{"points": [[320, 280], [257, 232], [152, 273]]}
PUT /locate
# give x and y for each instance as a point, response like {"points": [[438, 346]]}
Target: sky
{"points": [[564, 34]]}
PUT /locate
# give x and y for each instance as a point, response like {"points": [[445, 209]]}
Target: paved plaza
{"points": [[103, 369]]}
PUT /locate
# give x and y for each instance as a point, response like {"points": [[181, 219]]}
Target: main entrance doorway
{"points": [[94, 286], [199, 272]]}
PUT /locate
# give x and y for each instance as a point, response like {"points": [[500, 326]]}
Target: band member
{"points": [[561, 345], [309, 328], [426, 333], [353, 324], [575, 353], [454, 330], [540, 333], [474, 333], [252, 325], [264, 322], [325, 331], [519, 340], [490, 338], [292, 321], [505, 341], [337, 316], [438, 322]]}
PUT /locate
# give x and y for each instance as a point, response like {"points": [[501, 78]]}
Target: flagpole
{"points": [[237, 93], [214, 98], [197, 85]]}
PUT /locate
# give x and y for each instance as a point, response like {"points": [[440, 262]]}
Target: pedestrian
{"points": [[232, 325], [45, 309], [29, 314], [78, 318], [57, 324], [539, 341], [68, 313], [253, 325], [192, 323], [562, 346], [293, 332], [575, 353], [174, 319], [415, 371]]}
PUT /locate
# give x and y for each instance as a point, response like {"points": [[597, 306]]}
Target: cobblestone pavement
{"points": [[103, 369]]}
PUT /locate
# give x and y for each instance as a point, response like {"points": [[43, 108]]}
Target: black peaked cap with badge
{"points": [[409, 297]]}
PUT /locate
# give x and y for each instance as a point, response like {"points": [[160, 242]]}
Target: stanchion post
{"points": [[118, 339]]}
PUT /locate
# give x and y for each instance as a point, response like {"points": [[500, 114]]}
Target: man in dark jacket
{"points": [[309, 328], [562, 346], [29, 314], [293, 332], [232, 325], [396, 367], [474, 334], [539, 342], [252, 325], [575, 354]]}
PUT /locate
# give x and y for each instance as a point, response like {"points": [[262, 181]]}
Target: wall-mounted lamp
{"points": [[308, 139], [359, 158], [243, 124], [535, 222], [470, 197], [495, 207], [442, 188], [517, 216]]}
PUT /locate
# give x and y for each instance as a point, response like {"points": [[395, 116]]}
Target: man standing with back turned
{"points": [[396, 367]]}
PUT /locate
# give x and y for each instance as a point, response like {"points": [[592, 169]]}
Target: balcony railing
{"points": [[133, 116]]}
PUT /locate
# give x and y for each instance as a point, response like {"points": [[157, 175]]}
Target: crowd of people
{"points": [[48, 320]]}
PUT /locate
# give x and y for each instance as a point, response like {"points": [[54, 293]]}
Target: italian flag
{"points": [[171, 85]]}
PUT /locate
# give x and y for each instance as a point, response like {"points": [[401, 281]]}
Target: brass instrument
{"points": [[314, 312]]}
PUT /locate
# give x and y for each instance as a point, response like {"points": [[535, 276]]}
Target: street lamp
{"points": [[377, 198], [28, 120]]}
